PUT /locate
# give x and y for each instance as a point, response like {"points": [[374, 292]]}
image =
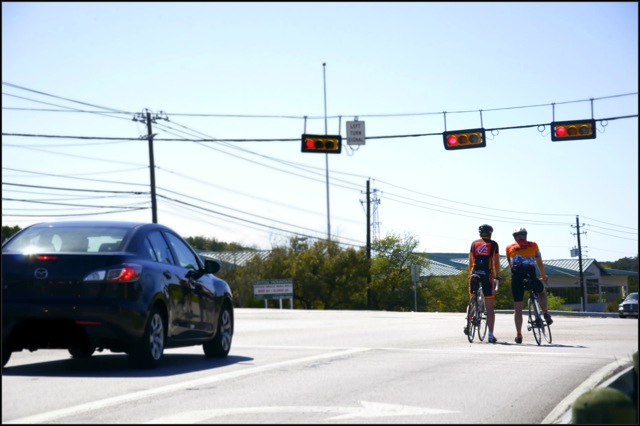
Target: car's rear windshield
{"points": [[79, 239]]}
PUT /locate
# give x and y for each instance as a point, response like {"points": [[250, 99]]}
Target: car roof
{"points": [[94, 223]]}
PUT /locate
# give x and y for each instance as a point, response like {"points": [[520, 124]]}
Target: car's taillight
{"points": [[128, 272], [46, 257]]}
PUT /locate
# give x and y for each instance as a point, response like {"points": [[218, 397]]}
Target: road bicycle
{"points": [[476, 311], [536, 322]]}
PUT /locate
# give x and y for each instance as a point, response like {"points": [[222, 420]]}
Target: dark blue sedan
{"points": [[136, 288]]}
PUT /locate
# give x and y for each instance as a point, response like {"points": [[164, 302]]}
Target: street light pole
{"points": [[326, 156]]}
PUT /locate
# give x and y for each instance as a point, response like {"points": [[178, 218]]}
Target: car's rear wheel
{"points": [[82, 351], [147, 352], [6, 354], [220, 345]]}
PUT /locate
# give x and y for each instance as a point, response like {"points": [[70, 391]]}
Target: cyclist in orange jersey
{"points": [[523, 256], [484, 260]]}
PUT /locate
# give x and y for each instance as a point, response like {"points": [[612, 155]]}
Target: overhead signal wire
{"points": [[537, 125], [389, 115]]}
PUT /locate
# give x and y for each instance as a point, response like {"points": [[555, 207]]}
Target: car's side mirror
{"points": [[211, 266]]}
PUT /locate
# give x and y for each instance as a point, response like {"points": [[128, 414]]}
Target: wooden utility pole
{"points": [[152, 170], [368, 245]]}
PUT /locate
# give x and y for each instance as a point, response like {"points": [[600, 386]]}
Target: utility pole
{"points": [[368, 246], [152, 170], [582, 283], [152, 166]]}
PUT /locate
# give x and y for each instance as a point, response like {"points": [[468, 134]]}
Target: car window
{"points": [[161, 252], [186, 258], [69, 239], [149, 251]]}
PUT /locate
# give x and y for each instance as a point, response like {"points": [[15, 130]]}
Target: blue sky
{"points": [[247, 71]]}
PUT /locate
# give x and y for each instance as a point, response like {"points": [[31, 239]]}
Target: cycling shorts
{"points": [[517, 285], [487, 284]]}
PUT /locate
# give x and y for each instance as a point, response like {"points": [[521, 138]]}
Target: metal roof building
{"points": [[234, 258]]}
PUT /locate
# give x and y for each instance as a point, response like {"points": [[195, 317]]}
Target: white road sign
{"points": [[355, 133]]}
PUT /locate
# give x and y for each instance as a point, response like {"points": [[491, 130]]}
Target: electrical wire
{"points": [[169, 129]]}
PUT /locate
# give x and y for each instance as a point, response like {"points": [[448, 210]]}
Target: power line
{"points": [[105, 112], [305, 117], [415, 135]]}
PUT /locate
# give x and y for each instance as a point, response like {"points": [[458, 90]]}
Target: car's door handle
{"points": [[167, 274]]}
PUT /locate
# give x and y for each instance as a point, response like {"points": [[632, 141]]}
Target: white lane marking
{"points": [[96, 405], [368, 409]]}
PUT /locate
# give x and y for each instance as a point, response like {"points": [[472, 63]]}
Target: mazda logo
{"points": [[41, 273]]}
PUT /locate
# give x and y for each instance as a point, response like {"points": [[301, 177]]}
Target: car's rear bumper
{"points": [[63, 325]]}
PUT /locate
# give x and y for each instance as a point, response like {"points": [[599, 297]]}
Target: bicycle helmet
{"points": [[485, 229], [520, 231]]}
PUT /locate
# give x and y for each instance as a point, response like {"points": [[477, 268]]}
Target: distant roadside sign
{"points": [[355, 133], [273, 289]]}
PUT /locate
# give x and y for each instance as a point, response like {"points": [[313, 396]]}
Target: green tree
{"points": [[446, 294], [326, 276], [211, 244], [8, 231], [391, 283], [625, 264]]}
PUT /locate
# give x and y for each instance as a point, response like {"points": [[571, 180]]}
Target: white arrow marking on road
{"points": [[368, 409], [378, 409]]}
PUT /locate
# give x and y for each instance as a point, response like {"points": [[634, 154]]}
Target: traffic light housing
{"points": [[463, 139], [328, 144], [573, 130]]}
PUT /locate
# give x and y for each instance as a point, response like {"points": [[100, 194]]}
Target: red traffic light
{"points": [[328, 144], [573, 130], [462, 139]]}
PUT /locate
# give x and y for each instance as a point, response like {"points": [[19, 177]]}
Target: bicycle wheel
{"points": [[482, 319], [471, 330], [534, 320], [546, 332]]}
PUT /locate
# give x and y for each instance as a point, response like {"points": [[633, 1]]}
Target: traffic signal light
{"points": [[328, 144], [573, 130], [462, 139]]}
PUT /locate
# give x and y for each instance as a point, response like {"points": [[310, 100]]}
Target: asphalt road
{"points": [[332, 367]]}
